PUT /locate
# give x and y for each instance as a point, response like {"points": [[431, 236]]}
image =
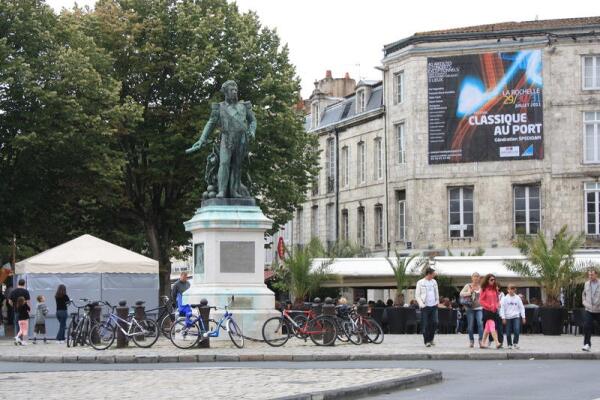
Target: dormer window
{"points": [[315, 114], [361, 101]]}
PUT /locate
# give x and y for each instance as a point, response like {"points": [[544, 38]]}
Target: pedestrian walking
{"points": [[23, 309], [14, 295], [469, 298], [427, 295], [489, 302], [180, 286], [591, 302], [62, 300], [40, 318], [512, 313]]}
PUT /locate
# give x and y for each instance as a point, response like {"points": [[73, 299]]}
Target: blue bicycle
{"points": [[190, 330]]}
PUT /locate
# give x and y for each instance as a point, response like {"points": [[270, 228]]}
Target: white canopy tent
{"points": [[90, 268]]}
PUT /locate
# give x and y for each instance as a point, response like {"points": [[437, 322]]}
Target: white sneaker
{"points": [[516, 346], [24, 343], [586, 347], [428, 344], [509, 347], [18, 340]]}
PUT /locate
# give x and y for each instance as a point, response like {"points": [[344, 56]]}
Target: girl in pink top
{"points": [[489, 302]]}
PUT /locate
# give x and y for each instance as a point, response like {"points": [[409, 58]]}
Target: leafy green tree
{"points": [[552, 266], [59, 109], [170, 58]]}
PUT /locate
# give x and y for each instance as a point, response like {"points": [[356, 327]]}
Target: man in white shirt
{"points": [[428, 297], [591, 302]]}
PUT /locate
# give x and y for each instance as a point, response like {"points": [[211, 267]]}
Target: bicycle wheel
{"points": [[184, 336], [342, 336], [145, 333], [372, 330], [235, 334], [105, 334], [276, 331], [322, 331], [71, 333], [165, 325], [352, 332]]}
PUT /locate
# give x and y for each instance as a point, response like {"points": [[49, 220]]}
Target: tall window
{"points": [[300, 224], [361, 104], [379, 225], [401, 215], [330, 218], [361, 162], [527, 209], [315, 114], [398, 87], [400, 144], [314, 222], [591, 72], [345, 166], [592, 208], [591, 132], [330, 165], [345, 225], [315, 185], [378, 158], [460, 212], [361, 226]]}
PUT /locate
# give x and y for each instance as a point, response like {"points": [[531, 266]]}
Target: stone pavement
{"points": [[228, 383], [394, 347]]}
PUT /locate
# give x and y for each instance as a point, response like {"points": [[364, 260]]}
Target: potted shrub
{"points": [[552, 267], [297, 276]]}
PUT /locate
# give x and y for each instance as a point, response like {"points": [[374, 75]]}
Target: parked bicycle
{"points": [[370, 329], [167, 315], [79, 327], [144, 332], [190, 330], [276, 331]]}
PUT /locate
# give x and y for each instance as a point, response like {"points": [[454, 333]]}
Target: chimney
{"points": [[328, 74]]}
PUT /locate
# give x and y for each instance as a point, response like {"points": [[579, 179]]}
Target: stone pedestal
{"points": [[228, 245]]}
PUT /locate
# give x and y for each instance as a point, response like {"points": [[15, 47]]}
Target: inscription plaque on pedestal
{"points": [[237, 257]]}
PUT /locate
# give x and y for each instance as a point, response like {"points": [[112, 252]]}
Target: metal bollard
{"points": [[122, 312], [329, 310], [95, 314], [204, 310], [140, 314], [316, 306]]}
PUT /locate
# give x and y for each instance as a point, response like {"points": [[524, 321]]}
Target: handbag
{"points": [[466, 301]]}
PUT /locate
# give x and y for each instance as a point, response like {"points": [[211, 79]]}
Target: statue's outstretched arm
{"points": [[208, 128]]}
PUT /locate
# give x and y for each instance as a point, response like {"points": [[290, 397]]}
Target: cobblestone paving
{"points": [[223, 383], [297, 349]]}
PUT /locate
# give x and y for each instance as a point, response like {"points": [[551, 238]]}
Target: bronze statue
{"points": [[237, 125]]}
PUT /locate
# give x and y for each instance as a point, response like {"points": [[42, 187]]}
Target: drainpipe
{"points": [[385, 161], [337, 183]]}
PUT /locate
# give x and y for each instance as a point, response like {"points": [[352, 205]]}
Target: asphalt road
{"points": [[515, 379]]}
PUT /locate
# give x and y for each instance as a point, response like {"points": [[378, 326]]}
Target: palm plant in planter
{"points": [[552, 267], [401, 272], [297, 276]]}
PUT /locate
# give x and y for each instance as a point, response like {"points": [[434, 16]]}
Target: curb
{"points": [[422, 379], [257, 357]]}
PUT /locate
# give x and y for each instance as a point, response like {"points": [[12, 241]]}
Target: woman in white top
{"points": [[469, 296]]}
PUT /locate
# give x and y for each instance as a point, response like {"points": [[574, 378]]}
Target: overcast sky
{"points": [[348, 35]]}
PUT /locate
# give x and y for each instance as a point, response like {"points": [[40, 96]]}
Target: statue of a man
{"points": [[237, 124]]}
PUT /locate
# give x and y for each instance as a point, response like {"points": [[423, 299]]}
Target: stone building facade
{"points": [[388, 195]]}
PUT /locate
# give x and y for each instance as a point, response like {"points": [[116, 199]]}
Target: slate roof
{"points": [[346, 108], [502, 29]]}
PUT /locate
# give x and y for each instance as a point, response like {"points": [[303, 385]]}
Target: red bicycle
{"points": [[277, 331]]}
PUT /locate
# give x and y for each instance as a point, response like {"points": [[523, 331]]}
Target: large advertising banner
{"points": [[485, 107]]}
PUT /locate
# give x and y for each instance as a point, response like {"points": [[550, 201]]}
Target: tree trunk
{"points": [[160, 253]]}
